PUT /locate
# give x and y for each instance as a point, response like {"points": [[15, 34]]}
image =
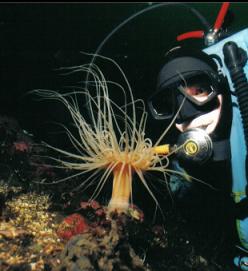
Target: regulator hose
{"points": [[145, 10], [195, 12], [235, 59]]}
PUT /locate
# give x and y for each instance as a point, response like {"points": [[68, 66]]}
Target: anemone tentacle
{"points": [[103, 144]]}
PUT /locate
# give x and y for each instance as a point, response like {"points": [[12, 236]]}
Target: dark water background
{"points": [[37, 38]]}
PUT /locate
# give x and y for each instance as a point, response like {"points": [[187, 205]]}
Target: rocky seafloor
{"points": [[45, 228]]}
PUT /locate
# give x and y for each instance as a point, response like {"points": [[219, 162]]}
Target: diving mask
{"points": [[198, 91]]}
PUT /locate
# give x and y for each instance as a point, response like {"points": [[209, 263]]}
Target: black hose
{"points": [[118, 27], [235, 59], [241, 86]]}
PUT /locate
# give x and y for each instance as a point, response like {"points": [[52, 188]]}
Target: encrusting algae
{"points": [[115, 140], [28, 235]]}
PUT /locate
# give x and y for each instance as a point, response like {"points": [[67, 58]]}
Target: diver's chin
{"points": [[208, 128], [206, 122]]}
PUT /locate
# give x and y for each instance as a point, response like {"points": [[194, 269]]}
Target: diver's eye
{"points": [[196, 91]]}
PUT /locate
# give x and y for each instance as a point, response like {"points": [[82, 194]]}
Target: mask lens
{"points": [[162, 105], [199, 89]]}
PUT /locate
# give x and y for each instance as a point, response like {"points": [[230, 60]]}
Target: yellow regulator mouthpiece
{"points": [[162, 149], [194, 145]]}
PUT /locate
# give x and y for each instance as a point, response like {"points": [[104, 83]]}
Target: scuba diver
{"points": [[193, 91], [205, 93]]}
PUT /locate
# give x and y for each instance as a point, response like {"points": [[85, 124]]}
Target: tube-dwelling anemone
{"points": [[114, 141]]}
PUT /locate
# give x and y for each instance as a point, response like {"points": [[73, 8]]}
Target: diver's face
{"points": [[207, 121]]}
